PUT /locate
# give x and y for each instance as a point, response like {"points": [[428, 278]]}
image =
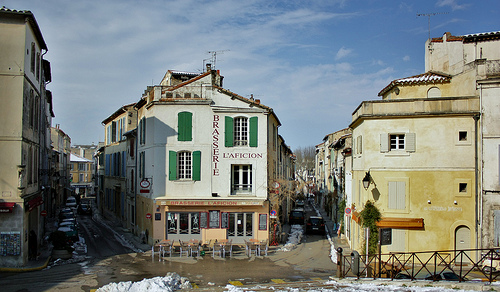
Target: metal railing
{"points": [[452, 265]]}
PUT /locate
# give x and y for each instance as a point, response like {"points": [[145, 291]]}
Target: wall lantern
{"points": [[366, 180]]}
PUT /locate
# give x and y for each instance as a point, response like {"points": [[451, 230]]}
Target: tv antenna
{"points": [[429, 18], [213, 58]]}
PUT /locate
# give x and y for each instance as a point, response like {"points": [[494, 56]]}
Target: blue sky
{"points": [[313, 62]]}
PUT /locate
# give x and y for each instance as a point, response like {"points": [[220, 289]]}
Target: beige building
{"points": [[87, 152], [475, 61], [416, 151], [81, 175], [60, 168], [25, 117]]}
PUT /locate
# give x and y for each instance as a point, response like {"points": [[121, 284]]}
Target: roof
{"points": [[188, 81], [78, 158], [120, 111], [426, 78], [468, 38], [4, 11]]}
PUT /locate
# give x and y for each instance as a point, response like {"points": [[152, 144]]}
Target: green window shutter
{"points": [[254, 125], [185, 125], [197, 165], [229, 132], [172, 165]]}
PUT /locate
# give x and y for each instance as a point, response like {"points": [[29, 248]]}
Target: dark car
{"points": [[84, 209], [446, 275], [315, 225], [296, 217], [66, 214]]}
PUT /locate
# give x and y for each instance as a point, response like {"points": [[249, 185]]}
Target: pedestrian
{"points": [[32, 246]]}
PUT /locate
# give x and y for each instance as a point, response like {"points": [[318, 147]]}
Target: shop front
{"points": [[236, 220]]}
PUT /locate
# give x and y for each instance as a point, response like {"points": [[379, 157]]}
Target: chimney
{"points": [[209, 67], [257, 101]]}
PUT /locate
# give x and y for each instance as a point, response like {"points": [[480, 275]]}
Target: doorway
{"points": [[240, 227]]}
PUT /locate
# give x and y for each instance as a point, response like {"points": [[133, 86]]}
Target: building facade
{"points": [[201, 163], [475, 58], [60, 169], [81, 175], [25, 135]]}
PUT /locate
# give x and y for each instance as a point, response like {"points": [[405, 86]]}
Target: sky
{"points": [[313, 62]]}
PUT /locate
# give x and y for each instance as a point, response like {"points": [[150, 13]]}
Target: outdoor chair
{"points": [[263, 247], [217, 248], [228, 248], [166, 248], [184, 248], [194, 247], [251, 247]]}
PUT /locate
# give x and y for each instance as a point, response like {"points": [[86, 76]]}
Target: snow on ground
{"points": [[171, 282], [294, 238]]}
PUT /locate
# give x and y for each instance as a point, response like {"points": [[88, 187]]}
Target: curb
{"points": [[22, 270]]}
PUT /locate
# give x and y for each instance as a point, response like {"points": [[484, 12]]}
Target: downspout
{"points": [[476, 177]]}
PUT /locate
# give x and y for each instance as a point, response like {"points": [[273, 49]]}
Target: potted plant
{"points": [[61, 248]]}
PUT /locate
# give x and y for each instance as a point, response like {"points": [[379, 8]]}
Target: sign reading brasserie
{"points": [[209, 203]]}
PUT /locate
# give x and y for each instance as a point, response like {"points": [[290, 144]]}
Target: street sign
{"points": [[43, 213], [148, 216], [347, 211], [145, 184], [273, 212]]}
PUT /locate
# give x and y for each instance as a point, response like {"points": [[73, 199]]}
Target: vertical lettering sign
{"points": [[215, 145]]}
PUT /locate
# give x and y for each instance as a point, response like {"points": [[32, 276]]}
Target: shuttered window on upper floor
{"points": [[185, 126], [241, 131]]}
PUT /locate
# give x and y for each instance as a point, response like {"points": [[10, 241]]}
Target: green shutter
{"points": [[197, 165], [172, 165], [185, 125], [254, 125], [229, 132]]}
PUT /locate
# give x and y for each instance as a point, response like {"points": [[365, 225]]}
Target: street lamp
{"points": [[366, 180]]}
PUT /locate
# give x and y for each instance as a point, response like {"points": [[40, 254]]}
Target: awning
{"points": [[401, 223], [33, 203], [7, 207]]}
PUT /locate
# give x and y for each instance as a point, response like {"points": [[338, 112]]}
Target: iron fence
{"points": [[452, 265]]}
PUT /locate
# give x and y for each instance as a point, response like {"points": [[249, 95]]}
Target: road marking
{"points": [[316, 279], [278, 281], [236, 283]]}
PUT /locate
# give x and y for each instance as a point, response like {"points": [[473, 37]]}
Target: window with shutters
{"points": [[241, 179], [185, 165], [185, 126], [241, 131], [397, 142], [142, 131], [397, 195]]}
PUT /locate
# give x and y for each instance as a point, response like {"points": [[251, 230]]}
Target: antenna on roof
{"points": [[213, 58], [429, 18]]}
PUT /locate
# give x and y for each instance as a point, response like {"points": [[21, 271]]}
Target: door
{"points": [[462, 241], [183, 226], [240, 227]]}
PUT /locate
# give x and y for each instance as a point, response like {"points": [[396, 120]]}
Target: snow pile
{"points": [[171, 282], [294, 238]]}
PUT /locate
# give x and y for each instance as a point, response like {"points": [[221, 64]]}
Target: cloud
{"points": [[451, 3], [342, 53], [406, 58]]}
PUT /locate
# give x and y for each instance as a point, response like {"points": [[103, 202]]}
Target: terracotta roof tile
{"points": [[426, 78]]}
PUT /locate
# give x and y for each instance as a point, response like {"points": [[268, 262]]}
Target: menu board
{"points": [[203, 220], [214, 219], [224, 220], [10, 243], [262, 221]]}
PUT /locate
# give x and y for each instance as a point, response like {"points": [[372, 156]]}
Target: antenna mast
{"points": [[213, 59], [429, 18]]}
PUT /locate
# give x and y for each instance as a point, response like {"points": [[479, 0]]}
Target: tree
{"points": [[370, 215]]}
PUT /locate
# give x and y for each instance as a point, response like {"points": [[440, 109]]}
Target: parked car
{"points": [[299, 203], [71, 202], [296, 217], [446, 275], [315, 224], [84, 209], [66, 214], [70, 231]]}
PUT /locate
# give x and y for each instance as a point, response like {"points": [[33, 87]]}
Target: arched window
{"points": [[433, 92]]}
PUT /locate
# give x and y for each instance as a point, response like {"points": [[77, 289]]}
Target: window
{"points": [[81, 167], [462, 187], [241, 131], [185, 126], [398, 142], [241, 179], [185, 165], [32, 58], [81, 178], [142, 167], [142, 131], [462, 136], [37, 66], [397, 195]]}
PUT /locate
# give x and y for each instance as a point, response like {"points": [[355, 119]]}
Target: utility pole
{"points": [[429, 19]]}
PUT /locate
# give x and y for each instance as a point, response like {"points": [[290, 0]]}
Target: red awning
{"points": [[6, 207]]}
